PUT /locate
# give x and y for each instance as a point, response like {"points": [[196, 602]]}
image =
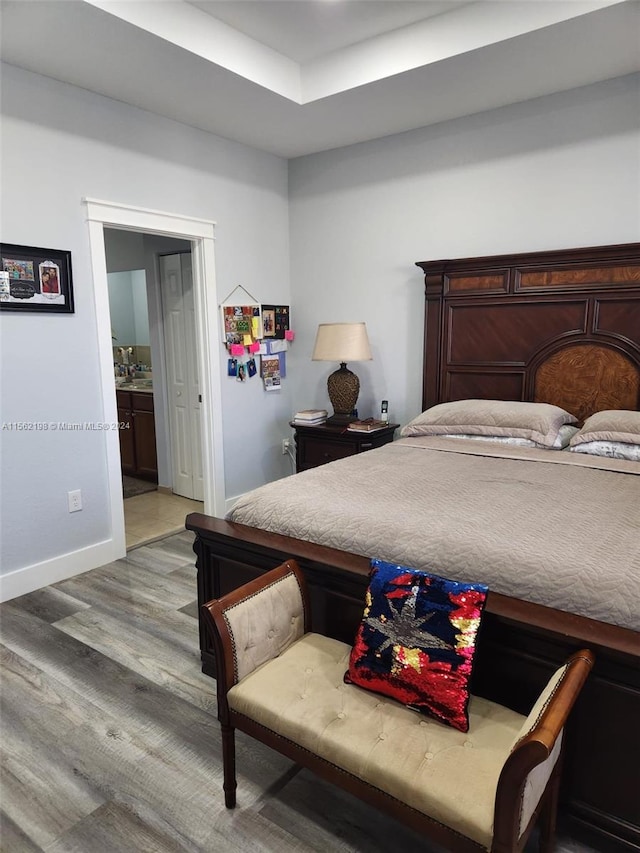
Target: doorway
{"points": [[153, 329], [199, 233]]}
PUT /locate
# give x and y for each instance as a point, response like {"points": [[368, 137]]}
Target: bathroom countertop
{"points": [[135, 386]]}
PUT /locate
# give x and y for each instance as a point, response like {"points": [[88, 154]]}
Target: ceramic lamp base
{"points": [[343, 387]]}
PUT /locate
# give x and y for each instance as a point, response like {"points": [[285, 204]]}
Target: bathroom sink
{"points": [[135, 385]]}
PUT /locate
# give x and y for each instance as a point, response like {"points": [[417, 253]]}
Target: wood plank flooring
{"points": [[109, 736]]}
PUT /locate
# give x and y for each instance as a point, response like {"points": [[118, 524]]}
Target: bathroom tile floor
{"points": [[154, 515]]}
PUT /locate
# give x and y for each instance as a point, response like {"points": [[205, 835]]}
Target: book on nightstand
{"points": [[368, 425], [310, 416]]}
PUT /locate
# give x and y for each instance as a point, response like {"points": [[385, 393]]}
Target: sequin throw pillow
{"points": [[417, 639]]}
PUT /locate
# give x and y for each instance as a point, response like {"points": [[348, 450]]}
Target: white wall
{"points": [[556, 172], [62, 143]]}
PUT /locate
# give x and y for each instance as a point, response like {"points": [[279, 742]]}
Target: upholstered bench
{"points": [[479, 790]]}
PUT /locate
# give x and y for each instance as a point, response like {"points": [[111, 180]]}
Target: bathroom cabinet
{"points": [[137, 433]]}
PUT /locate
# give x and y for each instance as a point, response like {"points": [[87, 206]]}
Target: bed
{"points": [[555, 534]]}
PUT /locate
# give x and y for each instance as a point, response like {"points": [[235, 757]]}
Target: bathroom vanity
{"points": [[137, 432]]}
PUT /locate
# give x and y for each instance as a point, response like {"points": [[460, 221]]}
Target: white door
{"points": [[183, 392]]}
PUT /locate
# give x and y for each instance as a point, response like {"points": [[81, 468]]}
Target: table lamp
{"points": [[342, 342]]}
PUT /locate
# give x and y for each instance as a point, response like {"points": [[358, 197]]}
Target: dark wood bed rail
{"points": [[321, 562]]}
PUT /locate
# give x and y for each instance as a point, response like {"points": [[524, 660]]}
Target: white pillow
{"points": [[610, 449], [565, 434]]}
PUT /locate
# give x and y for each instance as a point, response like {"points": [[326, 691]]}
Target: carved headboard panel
{"points": [[561, 327]]}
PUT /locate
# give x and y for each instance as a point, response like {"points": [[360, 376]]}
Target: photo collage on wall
{"points": [[251, 332], [35, 280]]}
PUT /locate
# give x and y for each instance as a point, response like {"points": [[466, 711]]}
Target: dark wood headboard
{"points": [[560, 327]]}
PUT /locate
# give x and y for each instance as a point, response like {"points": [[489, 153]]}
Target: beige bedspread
{"points": [[547, 526]]}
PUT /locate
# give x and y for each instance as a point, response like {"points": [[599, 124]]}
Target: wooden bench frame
{"points": [[529, 752]]}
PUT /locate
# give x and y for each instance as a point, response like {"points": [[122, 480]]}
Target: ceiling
{"points": [[307, 29], [295, 77]]}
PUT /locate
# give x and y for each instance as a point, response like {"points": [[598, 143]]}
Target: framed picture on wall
{"points": [[33, 279], [275, 321]]}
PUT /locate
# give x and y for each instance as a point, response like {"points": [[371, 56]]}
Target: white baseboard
{"points": [[30, 578], [231, 502]]}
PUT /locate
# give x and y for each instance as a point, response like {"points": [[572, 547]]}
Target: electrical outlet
{"points": [[286, 446], [75, 500]]}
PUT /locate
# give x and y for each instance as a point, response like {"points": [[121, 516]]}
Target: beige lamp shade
{"points": [[342, 342]]}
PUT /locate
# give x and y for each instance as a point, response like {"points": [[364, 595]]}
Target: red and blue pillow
{"points": [[417, 640]]}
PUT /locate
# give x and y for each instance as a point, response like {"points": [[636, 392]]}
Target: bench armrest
{"points": [[256, 622], [536, 750]]}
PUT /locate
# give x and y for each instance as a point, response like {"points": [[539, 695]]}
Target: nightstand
{"points": [[322, 443]]}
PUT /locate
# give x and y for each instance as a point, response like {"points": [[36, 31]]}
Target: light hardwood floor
{"points": [[109, 737]]}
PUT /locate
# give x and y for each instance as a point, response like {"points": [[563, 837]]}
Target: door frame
{"points": [[105, 214]]}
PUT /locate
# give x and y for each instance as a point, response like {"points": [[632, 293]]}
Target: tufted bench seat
{"points": [[476, 791]]}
